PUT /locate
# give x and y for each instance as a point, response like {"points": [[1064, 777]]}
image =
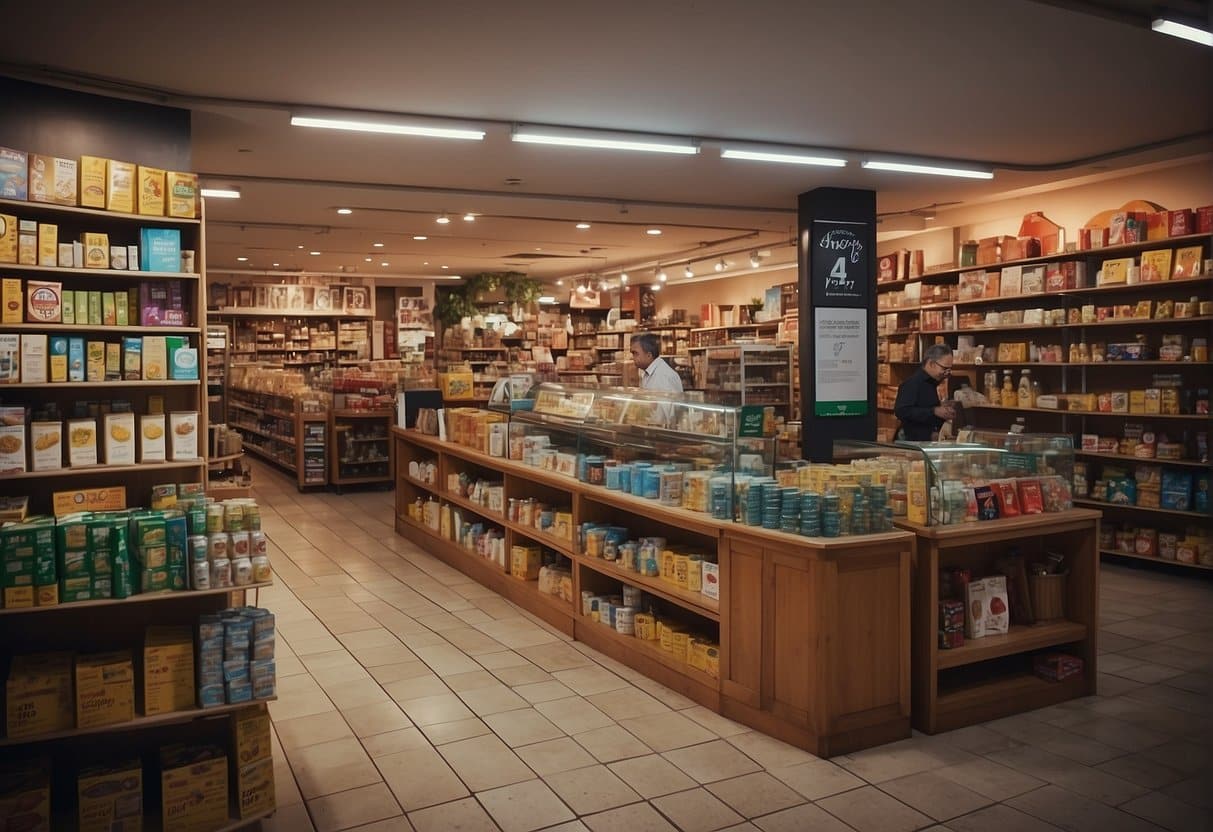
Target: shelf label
{"points": [[840, 361], [112, 498]]}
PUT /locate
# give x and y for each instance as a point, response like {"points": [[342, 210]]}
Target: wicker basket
{"points": [[1048, 596]]}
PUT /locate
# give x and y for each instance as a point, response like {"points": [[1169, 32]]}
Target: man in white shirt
{"points": [[655, 374]]}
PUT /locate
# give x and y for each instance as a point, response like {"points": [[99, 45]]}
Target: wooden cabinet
{"points": [[813, 633], [360, 448], [992, 677]]}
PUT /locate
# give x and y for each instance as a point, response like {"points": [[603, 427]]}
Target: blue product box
{"points": [[159, 250], [14, 174], [176, 537], [75, 359], [210, 696], [235, 671], [239, 692]]}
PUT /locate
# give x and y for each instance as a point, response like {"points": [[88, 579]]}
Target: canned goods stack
{"points": [[810, 514]]}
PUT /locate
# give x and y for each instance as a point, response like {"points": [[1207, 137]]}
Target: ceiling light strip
{"points": [[604, 140], [1176, 29], [220, 193], [403, 127], [784, 157], [933, 170]]}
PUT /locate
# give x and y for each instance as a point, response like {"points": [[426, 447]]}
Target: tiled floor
{"points": [[411, 698]]}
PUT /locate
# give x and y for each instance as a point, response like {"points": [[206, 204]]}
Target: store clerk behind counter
{"points": [[918, 406], [655, 374]]}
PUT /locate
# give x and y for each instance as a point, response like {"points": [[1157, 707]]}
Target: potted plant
{"points": [[756, 305]]}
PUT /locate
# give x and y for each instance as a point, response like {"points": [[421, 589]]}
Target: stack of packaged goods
{"points": [[638, 614]]}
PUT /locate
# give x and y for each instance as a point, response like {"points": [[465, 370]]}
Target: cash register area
{"points": [[413, 698]]}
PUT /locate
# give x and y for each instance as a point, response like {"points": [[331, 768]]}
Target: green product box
{"points": [[103, 587], [191, 489], [100, 563], [18, 573], [123, 575], [153, 580], [148, 530], [69, 307], [109, 314], [75, 564], [121, 308], [81, 304], [94, 308], [177, 578], [99, 534], [177, 539], [45, 572], [75, 589], [71, 532]]}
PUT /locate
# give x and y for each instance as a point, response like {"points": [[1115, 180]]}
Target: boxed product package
{"points": [[38, 695], [96, 250], [52, 179], [14, 174], [151, 438], [92, 178], [155, 357], [48, 245], [119, 439], [194, 788], [57, 359], [94, 361], [119, 186], [255, 794], [25, 795], [10, 358], [12, 448], [987, 612], [110, 797], [81, 442], [76, 367], [105, 689], [159, 250], [525, 562], [9, 237], [46, 446], [183, 435], [13, 301], [33, 359], [182, 359], [168, 670], [27, 242], [182, 191], [149, 194], [45, 301], [1057, 666], [132, 358]]}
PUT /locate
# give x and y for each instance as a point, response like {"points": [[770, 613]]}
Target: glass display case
{"points": [[665, 446], [983, 475]]}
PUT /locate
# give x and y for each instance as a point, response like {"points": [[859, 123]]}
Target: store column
{"points": [[836, 246]]}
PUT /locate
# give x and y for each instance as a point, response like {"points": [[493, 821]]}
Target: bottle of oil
{"points": [[1009, 397], [1024, 394]]}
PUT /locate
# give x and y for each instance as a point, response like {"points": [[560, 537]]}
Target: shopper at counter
{"points": [[655, 373], [918, 406]]}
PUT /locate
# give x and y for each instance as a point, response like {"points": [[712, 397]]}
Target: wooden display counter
{"points": [[814, 633], [992, 677]]}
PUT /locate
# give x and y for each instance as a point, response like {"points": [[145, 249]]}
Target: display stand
{"points": [[360, 447]]}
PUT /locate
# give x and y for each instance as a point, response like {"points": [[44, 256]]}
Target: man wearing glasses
{"points": [[918, 406]]}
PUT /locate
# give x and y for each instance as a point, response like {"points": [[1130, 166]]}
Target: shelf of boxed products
{"points": [[1118, 322], [696, 602], [133, 274], [1078, 254], [1177, 284], [56, 208], [45, 385], [1105, 505], [234, 312], [81, 470], [1061, 411], [1155, 559], [57, 327], [607, 639], [1019, 639], [138, 598], [1138, 460]]}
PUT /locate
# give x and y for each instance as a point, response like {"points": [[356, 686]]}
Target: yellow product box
{"points": [[44, 301], [645, 626], [168, 670], [193, 785], [12, 449], [119, 186], [1137, 401], [456, 385], [48, 244], [1081, 401], [681, 642], [155, 358], [33, 359], [94, 361], [109, 312], [46, 446], [697, 655], [525, 562], [182, 192], [81, 442], [1153, 400], [96, 250], [13, 299], [120, 439], [151, 438], [27, 242], [1115, 272], [46, 596], [916, 496], [712, 664], [92, 177], [38, 695], [52, 179], [112, 498], [113, 361], [25, 795], [111, 797], [8, 238], [18, 597], [149, 195], [105, 689], [251, 736], [255, 788]]}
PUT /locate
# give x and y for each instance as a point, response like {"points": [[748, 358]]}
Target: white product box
{"points": [[120, 439], [183, 428], [12, 449], [46, 446], [33, 359], [81, 442], [151, 438]]}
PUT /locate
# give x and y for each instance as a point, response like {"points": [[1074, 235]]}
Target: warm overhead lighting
{"points": [[934, 170], [242, 259], [653, 232], [755, 262], [299, 247], [376, 245], [583, 226], [384, 263], [275, 265], [546, 299], [345, 210], [404, 126], [220, 193], [623, 277], [368, 259], [662, 276], [446, 267], [420, 237], [1182, 30], [425, 262], [779, 156], [559, 282], [604, 140], [314, 253], [582, 288], [688, 272], [721, 265], [656, 287], [443, 219], [469, 217]]}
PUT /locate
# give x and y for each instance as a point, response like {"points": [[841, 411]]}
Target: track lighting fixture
{"points": [[754, 261], [662, 276], [721, 265], [687, 271], [623, 277]]}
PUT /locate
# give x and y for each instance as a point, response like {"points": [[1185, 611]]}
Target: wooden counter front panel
{"points": [[741, 630], [793, 646]]}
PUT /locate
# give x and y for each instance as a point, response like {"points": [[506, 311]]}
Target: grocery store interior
{"points": [[337, 491]]}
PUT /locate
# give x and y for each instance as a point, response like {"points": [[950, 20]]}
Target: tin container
{"points": [[625, 620], [214, 518], [218, 546], [200, 575], [198, 547]]}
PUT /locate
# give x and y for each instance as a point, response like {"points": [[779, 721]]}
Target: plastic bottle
{"points": [[1025, 388], [1009, 397]]}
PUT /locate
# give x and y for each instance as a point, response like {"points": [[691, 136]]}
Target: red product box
{"points": [[951, 639], [1031, 498], [951, 615], [1008, 501], [1158, 224], [1204, 219], [1057, 666], [1181, 223]]}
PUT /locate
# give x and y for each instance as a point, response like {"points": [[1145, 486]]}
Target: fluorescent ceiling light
{"points": [[787, 158], [432, 128], [935, 170], [220, 193], [420, 237], [314, 253], [1182, 30], [376, 245], [547, 299], [653, 232], [469, 217], [242, 259], [583, 225], [345, 210], [604, 140]]}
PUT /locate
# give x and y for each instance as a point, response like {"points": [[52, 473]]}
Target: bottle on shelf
{"points": [[1037, 390], [1024, 394], [991, 386], [1009, 398]]}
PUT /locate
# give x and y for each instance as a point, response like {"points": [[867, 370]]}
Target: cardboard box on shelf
{"points": [[14, 173], [105, 689], [168, 670], [120, 439], [38, 695], [110, 797], [183, 435], [48, 244], [12, 298], [194, 788], [149, 195], [8, 237], [25, 795], [46, 446], [44, 301], [33, 358], [92, 179], [182, 193], [119, 186]]}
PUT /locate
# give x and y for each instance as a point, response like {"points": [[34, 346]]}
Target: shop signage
{"points": [[840, 263], [751, 420], [840, 351]]}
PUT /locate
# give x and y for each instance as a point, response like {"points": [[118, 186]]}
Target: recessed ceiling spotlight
{"points": [[425, 262], [368, 259], [559, 282], [376, 245], [754, 261], [446, 267], [345, 210], [298, 246], [384, 263], [582, 226], [242, 259], [469, 217], [656, 287], [653, 232], [721, 265], [443, 219], [662, 276], [314, 253], [420, 237], [687, 272], [275, 265], [582, 288]]}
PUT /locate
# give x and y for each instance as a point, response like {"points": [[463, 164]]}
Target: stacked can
{"points": [[772, 504], [810, 514], [722, 498], [637, 478], [879, 511], [789, 511], [859, 514], [752, 509], [831, 516]]}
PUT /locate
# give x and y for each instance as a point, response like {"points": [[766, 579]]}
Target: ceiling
{"points": [[1043, 92]]}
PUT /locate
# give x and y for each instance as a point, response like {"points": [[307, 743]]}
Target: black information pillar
{"points": [[836, 243]]}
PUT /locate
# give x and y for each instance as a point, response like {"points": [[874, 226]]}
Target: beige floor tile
{"points": [[1000, 818], [475, 680], [311, 730], [711, 761], [329, 676], [1071, 811], [611, 743], [416, 687], [446, 660], [591, 789], [587, 681], [522, 727], [502, 660], [551, 756], [356, 693], [714, 722], [696, 810], [419, 777], [816, 779], [339, 658], [990, 779], [886, 762], [285, 788], [573, 715], [526, 806], [431, 709], [553, 657], [626, 703], [396, 824], [543, 692], [492, 700], [385, 655], [310, 646], [378, 718], [289, 819], [388, 673], [799, 819], [1119, 734], [636, 817], [393, 742], [353, 808], [472, 641], [485, 762], [331, 767], [755, 794], [460, 729], [935, 796], [523, 674], [667, 731], [652, 776], [870, 810], [294, 705], [457, 816], [1169, 813]]}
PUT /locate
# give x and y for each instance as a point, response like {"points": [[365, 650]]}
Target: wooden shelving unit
{"points": [[272, 426], [360, 447]]}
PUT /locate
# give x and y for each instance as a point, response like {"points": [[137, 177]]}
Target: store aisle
{"points": [[412, 698]]}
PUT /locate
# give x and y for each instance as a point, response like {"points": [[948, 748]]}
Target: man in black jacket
{"points": [[917, 404]]}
